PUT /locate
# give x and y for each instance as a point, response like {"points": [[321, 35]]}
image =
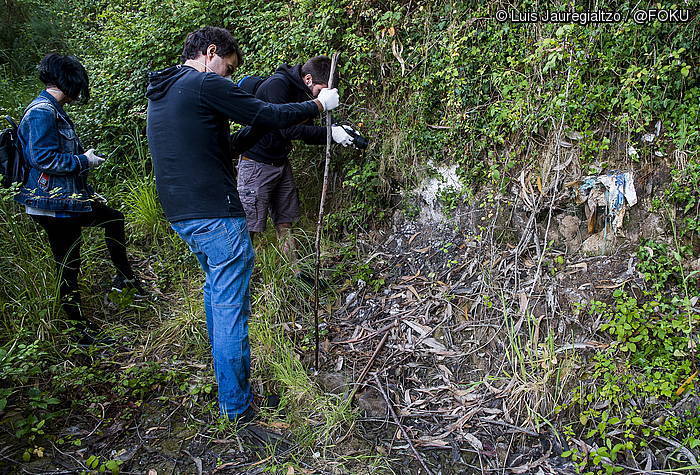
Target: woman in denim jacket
{"points": [[56, 194]]}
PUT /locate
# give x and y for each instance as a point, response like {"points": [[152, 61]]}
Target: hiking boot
{"points": [[271, 402]]}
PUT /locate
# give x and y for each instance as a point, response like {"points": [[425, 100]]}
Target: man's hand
{"points": [[328, 98], [94, 160], [341, 136], [346, 135]]}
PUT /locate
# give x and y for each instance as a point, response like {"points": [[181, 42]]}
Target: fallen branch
{"points": [[368, 366], [401, 427]]}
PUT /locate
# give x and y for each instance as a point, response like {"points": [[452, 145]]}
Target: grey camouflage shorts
{"points": [[263, 188]]}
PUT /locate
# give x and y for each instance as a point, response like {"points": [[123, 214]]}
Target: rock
{"points": [[652, 227], [335, 383], [598, 244], [372, 404], [570, 230], [350, 298], [569, 227]]}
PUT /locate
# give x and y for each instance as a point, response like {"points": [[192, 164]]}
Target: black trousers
{"points": [[65, 238]]}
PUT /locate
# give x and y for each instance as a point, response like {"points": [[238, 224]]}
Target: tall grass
{"points": [[28, 287], [540, 377], [137, 193], [281, 324]]}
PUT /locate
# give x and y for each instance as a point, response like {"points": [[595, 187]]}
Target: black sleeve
{"points": [[244, 139], [276, 91], [225, 97]]}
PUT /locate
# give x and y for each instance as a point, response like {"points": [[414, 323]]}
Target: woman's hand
{"points": [[94, 160]]}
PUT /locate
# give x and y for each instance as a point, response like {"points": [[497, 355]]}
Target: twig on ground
{"points": [[367, 367], [401, 427], [511, 426]]}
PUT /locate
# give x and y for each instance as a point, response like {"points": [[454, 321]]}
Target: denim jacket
{"points": [[58, 168]]}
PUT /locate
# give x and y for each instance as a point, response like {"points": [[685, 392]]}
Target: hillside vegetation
{"points": [[597, 380]]}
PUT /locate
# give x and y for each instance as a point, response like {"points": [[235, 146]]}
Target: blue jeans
{"points": [[224, 250]]}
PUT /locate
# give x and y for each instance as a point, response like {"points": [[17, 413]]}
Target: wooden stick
{"points": [[401, 427], [368, 366], [319, 225]]}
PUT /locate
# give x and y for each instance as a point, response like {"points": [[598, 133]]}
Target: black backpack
{"points": [[250, 84], [13, 168]]}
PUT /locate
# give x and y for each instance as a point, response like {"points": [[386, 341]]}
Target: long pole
{"points": [[319, 225]]}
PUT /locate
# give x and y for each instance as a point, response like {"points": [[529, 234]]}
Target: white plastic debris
{"points": [[614, 191]]}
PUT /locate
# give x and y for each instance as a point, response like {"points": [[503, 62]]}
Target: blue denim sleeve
{"points": [[41, 145]]}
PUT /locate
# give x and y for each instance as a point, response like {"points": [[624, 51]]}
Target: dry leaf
{"points": [[476, 443], [687, 382]]}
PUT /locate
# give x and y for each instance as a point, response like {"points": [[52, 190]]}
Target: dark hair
{"points": [[67, 74], [320, 69], [198, 41]]}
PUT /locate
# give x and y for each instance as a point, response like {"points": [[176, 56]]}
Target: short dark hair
{"points": [[320, 69], [198, 41], [65, 73]]}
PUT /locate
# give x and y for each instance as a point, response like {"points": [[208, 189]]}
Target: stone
{"points": [[373, 404], [569, 227], [652, 227], [335, 383], [598, 244], [570, 230]]}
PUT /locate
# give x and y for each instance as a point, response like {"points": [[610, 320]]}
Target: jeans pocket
{"points": [[215, 244], [68, 139]]}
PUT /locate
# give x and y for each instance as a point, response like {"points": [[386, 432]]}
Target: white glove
{"points": [[341, 136], [328, 98], [94, 160]]}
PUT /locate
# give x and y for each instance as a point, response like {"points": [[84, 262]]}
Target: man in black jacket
{"points": [[189, 109], [265, 180]]}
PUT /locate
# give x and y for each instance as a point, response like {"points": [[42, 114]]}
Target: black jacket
{"points": [[283, 87], [188, 136]]}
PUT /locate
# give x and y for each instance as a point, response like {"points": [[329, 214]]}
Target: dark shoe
{"points": [[269, 402], [121, 284], [90, 338], [246, 417]]}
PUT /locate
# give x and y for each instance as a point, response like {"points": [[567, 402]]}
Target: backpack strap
{"points": [[12, 123], [242, 80]]}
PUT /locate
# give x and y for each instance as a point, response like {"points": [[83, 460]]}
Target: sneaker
{"points": [[90, 338], [122, 284]]}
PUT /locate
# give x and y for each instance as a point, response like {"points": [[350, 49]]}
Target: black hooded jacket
{"points": [[285, 86], [188, 136]]}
